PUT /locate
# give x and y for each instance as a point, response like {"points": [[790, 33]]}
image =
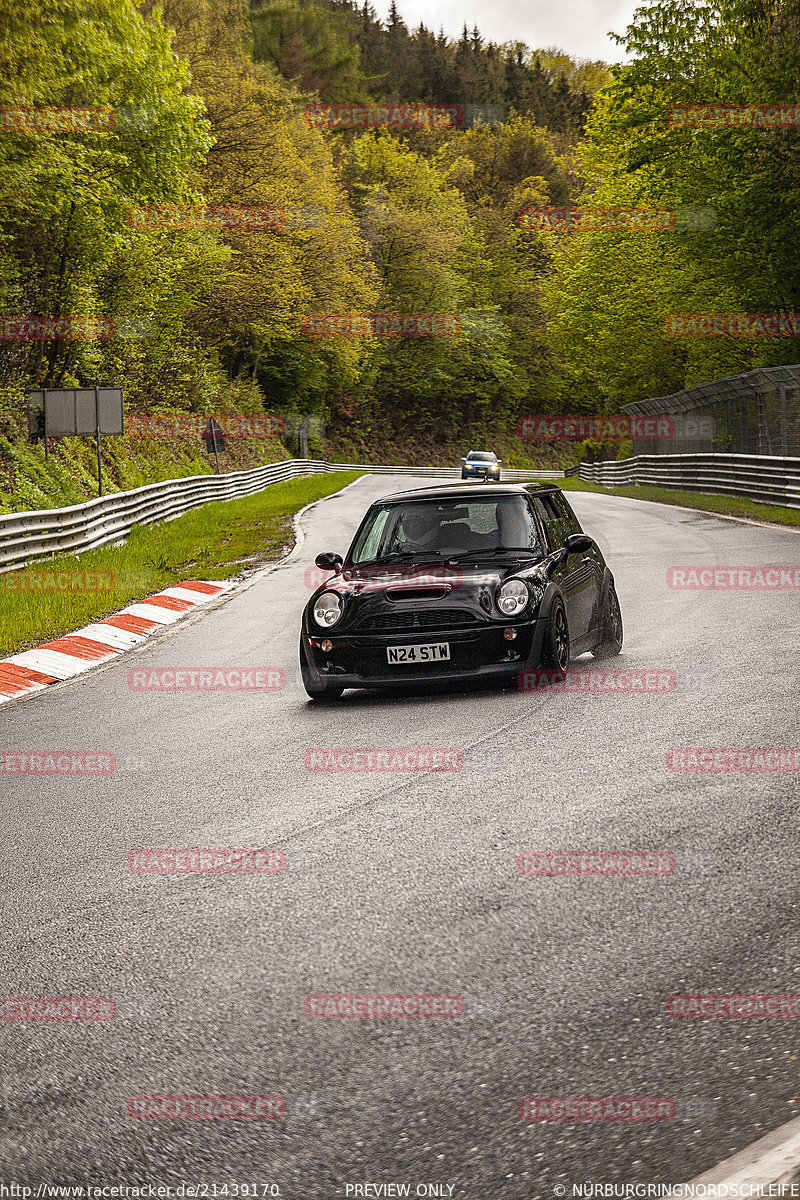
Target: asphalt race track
{"points": [[408, 883]]}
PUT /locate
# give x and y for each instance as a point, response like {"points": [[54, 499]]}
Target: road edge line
{"points": [[773, 1159]]}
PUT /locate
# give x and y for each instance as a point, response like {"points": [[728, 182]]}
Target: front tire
{"points": [[321, 692], [610, 642], [555, 652]]}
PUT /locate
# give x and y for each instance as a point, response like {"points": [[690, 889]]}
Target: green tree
{"points": [[66, 196], [266, 154], [611, 293], [431, 258]]}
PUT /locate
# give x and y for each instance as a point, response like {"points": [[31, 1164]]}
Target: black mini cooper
{"points": [[459, 583]]}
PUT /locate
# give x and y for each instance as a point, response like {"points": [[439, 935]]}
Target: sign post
{"points": [[65, 412], [214, 439], [97, 435]]}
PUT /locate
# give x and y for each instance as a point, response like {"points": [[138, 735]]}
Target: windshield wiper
{"points": [[492, 550], [396, 556]]}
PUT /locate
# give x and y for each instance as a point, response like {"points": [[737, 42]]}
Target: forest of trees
{"points": [[211, 102], [345, 53], [608, 296]]}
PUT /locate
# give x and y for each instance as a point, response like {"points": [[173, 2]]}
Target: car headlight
{"points": [[327, 609], [512, 597]]}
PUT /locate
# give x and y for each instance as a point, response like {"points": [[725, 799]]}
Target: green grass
{"points": [[219, 540], [731, 506]]}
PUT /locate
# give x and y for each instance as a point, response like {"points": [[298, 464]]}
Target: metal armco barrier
{"points": [[512, 475], [26, 537], [761, 477]]}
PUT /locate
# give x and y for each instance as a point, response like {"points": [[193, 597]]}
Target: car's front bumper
{"points": [[360, 660]]}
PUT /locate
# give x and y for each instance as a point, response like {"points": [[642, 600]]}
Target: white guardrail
{"points": [[761, 477], [26, 537]]}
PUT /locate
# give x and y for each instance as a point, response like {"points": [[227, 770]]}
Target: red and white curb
{"points": [[103, 640]]}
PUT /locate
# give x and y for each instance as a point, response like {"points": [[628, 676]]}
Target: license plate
{"points": [[435, 652]]}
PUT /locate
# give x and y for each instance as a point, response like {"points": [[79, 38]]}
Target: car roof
{"points": [[482, 452], [456, 491]]}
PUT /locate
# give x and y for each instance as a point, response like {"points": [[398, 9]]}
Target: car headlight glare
{"points": [[512, 597], [327, 609]]}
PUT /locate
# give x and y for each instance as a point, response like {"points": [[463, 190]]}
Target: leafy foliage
{"points": [[610, 294]]}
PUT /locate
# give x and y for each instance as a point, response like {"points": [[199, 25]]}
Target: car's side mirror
{"points": [[463, 461], [576, 543], [329, 562]]}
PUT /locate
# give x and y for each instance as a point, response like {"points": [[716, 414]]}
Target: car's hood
{"points": [[473, 586], [467, 575]]}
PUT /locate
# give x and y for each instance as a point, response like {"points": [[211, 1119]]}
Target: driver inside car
{"points": [[419, 529]]}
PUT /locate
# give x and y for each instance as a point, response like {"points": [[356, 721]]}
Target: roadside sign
{"points": [[214, 439], [74, 412], [213, 433]]}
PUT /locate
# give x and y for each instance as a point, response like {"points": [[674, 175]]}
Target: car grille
{"points": [[413, 622]]}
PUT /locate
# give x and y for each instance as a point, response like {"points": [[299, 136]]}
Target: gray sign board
{"points": [[71, 412]]}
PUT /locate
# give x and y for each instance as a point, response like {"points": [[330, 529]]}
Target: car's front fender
{"points": [[542, 619]]}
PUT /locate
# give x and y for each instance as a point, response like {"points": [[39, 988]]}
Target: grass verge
{"points": [[731, 506], [218, 541]]}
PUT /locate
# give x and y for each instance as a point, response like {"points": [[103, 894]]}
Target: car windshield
{"points": [[435, 529], [481, 456]]}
